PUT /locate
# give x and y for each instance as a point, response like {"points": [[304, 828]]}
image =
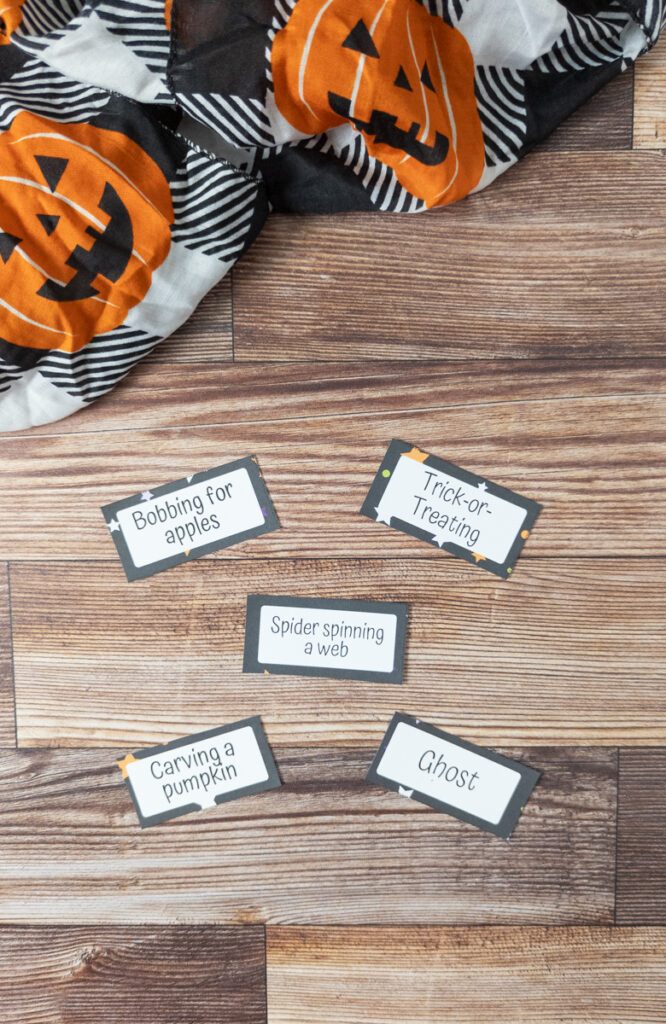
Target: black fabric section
{"points": [[550, 98], [593, 7], [135, 120], [300, 180], [11, 60], [24, 358], [219, 46]]}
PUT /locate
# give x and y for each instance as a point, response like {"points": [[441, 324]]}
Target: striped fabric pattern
{"points": [[586, 42], [500, 100], [37, 88], [242, 122], [214, 204], [101, 365], [142, 27]]}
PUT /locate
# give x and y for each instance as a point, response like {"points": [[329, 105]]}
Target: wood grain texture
{"points": [[650, 100], [222, 394], [206, 337], [466, 975], [590, 447], [603, 123], [641, 853], [7, 729], [132, 975], [568, 651], [564, 255], [326, 848]]}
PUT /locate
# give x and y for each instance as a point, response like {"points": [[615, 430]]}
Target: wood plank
{"points": [[222, 394], [641, 852], [650, 100], [132, 975], [603, 123], [589, 451], [325, 848], [7, 728], [529, 267], [568, 651], [206, 337], [466, 975]]}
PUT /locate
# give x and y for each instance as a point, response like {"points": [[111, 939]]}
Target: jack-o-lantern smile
{"points": [[11, 17], [84, 223], [401, 76]]}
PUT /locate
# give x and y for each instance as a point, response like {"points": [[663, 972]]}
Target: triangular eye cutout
{"points": [[359, 39], [426, 79], [7, 245], [402, 81], [53, 168], [48, 221]]}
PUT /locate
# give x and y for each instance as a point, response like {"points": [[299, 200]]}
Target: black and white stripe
{"points": [[41, 90], [653, 17], [500, 101], [41, 19], [587, 41], [239, 121], [98, 367], [8, 375], [142, 27], [214, 205]]}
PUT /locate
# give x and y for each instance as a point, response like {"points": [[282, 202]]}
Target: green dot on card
{"points": [[386, 472]]}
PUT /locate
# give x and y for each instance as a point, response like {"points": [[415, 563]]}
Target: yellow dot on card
{"points": [[386, 472], [525, 534]]}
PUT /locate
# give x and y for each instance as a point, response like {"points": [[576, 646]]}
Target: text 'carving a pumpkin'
{"points": [[84, 222], [11, 17], [400, 75]]}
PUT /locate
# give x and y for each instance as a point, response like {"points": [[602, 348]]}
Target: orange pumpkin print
{"points": [[11, 17], [84, 223], [400, 75]]}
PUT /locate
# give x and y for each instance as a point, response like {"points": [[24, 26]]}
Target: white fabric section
{"points": [[489, 175], [33, 400], [634, 41], [511, 33], [178, 286], [92, 54]]}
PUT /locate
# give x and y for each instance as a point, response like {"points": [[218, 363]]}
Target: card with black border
{"points": [[435, 768], [317, 637], [451, 508], [200, 771], [188, 518]]}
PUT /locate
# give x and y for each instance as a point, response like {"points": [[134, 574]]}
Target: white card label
{"points": [[449, 507], [447, 773], [159, 528], [199, 771], [348, 639]]}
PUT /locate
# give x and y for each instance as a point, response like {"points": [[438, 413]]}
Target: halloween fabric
{"points": [[143, 143]]}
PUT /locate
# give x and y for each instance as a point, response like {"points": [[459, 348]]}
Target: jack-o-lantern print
{"points": [[403, 77], [85, 221], [11, 17]]}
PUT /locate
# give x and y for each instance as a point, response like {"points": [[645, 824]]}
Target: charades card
{"points": [[450, 508], [319, 637], [199, 771], [476, 785], [188, 518]]}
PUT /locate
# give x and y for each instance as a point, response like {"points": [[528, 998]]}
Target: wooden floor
{"points": [[520, 334]]}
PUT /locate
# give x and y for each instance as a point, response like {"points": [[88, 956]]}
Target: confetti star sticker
{"points": [[146, 495], [188, 478], [482, 486], [114, 525]]}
